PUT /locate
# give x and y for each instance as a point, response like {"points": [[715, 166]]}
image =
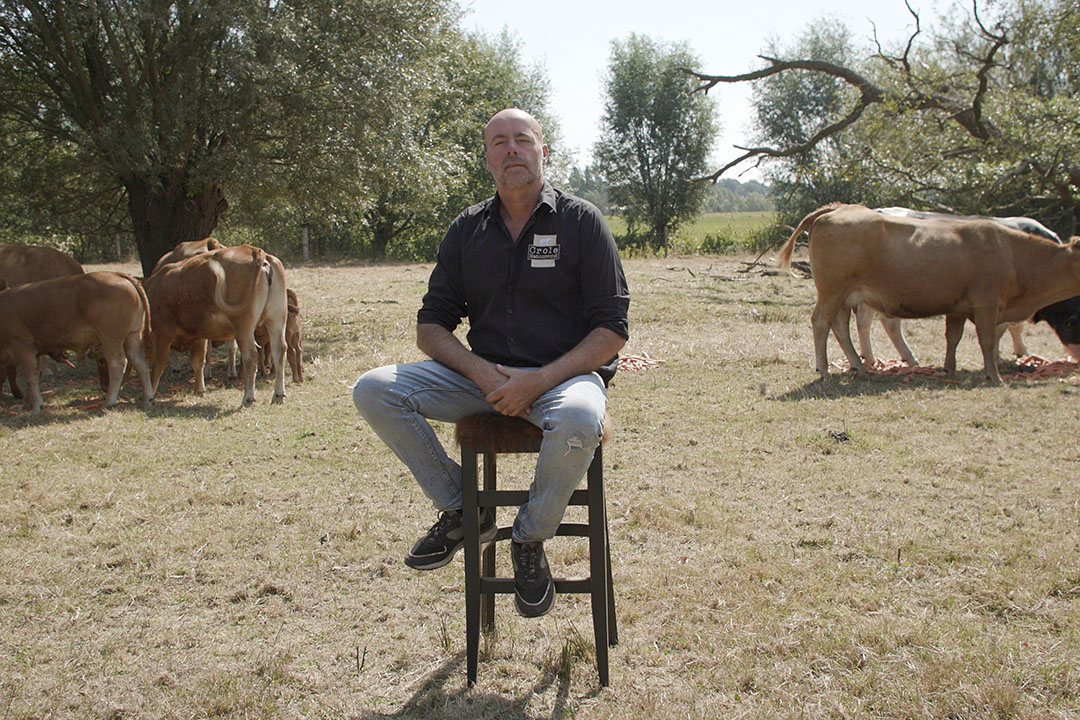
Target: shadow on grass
{"points": [[849, 384], [432, 700], [73, 396]]}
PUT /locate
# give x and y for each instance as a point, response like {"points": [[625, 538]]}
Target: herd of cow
{"points": [[895, 262], [200, 291], [902, 263]]}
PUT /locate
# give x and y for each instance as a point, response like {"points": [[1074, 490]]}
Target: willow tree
{"points": [[171, 105], [655, 137]]}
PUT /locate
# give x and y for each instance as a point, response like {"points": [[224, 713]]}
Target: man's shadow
{"points": [[432, 700]]}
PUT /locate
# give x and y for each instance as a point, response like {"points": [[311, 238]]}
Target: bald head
{"points": [[511, 118]]}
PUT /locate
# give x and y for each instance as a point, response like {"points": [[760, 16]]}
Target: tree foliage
{"points": [[167, 105], [979, 117], [655, 138]]}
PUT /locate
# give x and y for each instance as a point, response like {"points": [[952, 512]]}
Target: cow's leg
{"points": [[296, 360], [136, 355], [245, 342], [162, 344], [113, 358], [864, 320], [841, 328], [896, 335], [277, 352], [1016, 330], [10, 372], [986, 330], [954, 330], [198, 361], [821, 321], [230, 368], [31, 369]]}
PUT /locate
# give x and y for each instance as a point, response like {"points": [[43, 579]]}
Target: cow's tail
{"points": [[259, 266], [147, 333], [784, 258]]}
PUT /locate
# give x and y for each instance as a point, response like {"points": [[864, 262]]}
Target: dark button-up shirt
{"points": [[531, 300]]}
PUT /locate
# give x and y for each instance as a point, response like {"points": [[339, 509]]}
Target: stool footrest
{"points": [[566, 529], [508, 498], [505, 586]]}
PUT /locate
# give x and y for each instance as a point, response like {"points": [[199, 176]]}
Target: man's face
{"points": [[514, 151]]}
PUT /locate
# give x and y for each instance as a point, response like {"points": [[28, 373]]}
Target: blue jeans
{"points": [[398, 400]]}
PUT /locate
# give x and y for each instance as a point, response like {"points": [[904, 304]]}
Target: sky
{"points": [[571, 40]]}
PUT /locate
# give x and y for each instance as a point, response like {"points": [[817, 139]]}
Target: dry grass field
{"points": [[783, 547]]}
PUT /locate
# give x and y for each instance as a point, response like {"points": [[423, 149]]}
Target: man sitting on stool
{"points": [[537, 273]]}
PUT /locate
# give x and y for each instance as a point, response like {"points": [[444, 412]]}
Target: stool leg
{"points": [[613, 625], [599, 565], [487, 600], [469, 522]]}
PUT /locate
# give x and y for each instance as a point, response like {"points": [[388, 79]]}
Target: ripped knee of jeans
{"points": [[574, 442]]}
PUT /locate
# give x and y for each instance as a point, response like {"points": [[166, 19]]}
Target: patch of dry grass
{"points": [[783, 547]]}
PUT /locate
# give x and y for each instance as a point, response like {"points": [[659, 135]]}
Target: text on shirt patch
{"points": [[544, 251]]}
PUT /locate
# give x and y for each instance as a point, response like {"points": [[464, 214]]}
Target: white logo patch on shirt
{"points": [[544, 251]]}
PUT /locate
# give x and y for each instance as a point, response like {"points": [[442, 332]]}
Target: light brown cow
{"points": [[184, 250], [865, 315], [977, 270], [293, 350], [77, 313], [29, 263], [220, 295]]}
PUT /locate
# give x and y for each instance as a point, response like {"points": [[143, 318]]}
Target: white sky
{"points": [[571, 40]]}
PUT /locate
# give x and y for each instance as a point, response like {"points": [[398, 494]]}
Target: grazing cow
{"points": [[864, 316], [29, 263], [77, 312], [1064, 318], [219, 295], [293, 350], [183, 251], [976, 270]]}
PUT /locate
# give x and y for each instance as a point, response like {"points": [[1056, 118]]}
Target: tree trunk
{"points": [[164, 215]]}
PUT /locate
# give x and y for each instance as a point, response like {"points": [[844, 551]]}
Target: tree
{"points": [[166, 105], [981, 118], [477, 77], [655, 138]]}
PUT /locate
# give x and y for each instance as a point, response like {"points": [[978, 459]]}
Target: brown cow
{"points": [[977, 270], [29, 263], [77, 313], [293, 350], [220, 295], [184, 250]]}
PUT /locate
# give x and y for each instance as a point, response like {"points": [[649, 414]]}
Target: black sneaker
{"points": [[534, 590], [445, 538]]}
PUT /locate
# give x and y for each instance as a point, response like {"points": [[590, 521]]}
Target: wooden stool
{"points": [[490, 434]]}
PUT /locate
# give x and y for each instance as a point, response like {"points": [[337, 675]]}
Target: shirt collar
{"points": [[547, 197]]}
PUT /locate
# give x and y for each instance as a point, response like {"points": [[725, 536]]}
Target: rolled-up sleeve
{"points": [[444, 302], [603, 282]]}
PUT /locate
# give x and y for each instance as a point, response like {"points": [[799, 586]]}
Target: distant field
{"points": [[733, 229]]}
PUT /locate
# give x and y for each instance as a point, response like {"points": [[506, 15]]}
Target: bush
{"points": [[720, 243]]}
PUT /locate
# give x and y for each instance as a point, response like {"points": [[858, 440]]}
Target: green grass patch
{"points": [[723, 233]]}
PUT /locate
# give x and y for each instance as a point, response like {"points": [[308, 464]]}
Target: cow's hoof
{"points": [[247, 402], [277, 399]]}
